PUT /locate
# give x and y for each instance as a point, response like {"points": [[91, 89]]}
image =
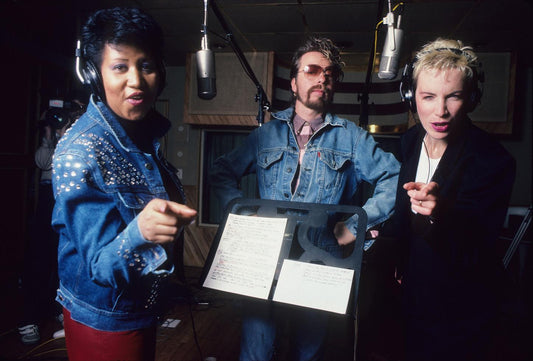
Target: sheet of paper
{"points": [[315, 286], [247, 255]]}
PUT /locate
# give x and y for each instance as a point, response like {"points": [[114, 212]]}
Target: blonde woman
{"points": [[453, 192]]}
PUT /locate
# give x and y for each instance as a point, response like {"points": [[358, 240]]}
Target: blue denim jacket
{"points": [[110, 276], [338, 158]]}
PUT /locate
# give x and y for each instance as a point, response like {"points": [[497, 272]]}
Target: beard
{"points": [[319, 104]]}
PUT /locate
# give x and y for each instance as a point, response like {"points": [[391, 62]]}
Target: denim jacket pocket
{"points": [[268, 166], [334, 166], [131, 204]]}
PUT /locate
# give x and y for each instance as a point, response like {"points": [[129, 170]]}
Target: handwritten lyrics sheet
{"points": [[247, 255], [313, 285]]}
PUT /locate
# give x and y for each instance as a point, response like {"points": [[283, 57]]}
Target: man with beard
{"points": [[307, 154]]}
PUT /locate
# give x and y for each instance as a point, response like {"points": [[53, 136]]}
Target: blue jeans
{"points": [[264, 324]]}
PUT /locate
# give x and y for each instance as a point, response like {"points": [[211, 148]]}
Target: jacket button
{"points": [[148, 166], [289, 170]]}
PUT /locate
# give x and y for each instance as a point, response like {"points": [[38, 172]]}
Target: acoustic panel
{"points": [[234, 103]]}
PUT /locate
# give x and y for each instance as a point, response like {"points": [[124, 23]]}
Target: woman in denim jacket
{"points": [[119, 205]]}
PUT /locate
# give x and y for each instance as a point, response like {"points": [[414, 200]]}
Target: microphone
{"points": [[388, 66], [205, 65]]}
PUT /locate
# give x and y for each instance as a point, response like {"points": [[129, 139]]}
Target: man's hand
{"points": [[424, 197], [343, 234], [161, 220]]}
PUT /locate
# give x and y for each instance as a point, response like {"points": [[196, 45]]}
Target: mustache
{"points": [[318, 87]]}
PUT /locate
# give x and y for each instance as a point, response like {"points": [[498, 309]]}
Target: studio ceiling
{"points": [[280, 26]]}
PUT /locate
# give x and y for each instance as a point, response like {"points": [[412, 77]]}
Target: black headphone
{"points": [[407, 89], [90, 75]]}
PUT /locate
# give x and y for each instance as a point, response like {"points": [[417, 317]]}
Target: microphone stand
{"points": [[363, 115], [261, 96]]}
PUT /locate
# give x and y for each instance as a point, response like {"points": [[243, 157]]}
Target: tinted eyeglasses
{"points": [[313, 71]]}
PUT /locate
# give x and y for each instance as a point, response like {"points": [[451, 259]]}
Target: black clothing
{"points": [[451, 272]]}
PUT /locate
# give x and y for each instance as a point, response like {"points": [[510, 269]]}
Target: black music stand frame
{"points": [[301, 217]]}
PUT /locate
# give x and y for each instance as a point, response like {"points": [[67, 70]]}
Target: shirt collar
{"points": [[315, 123]]}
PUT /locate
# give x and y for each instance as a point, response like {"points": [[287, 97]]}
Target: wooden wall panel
{"points": [[198, 239], [234, 103]]}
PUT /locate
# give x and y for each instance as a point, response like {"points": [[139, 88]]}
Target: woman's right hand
{"points": [[161, 220], [424, 197]]}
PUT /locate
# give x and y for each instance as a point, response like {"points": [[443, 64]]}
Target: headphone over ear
{"points": [[407, 92], [90, 75], [407, 88]]}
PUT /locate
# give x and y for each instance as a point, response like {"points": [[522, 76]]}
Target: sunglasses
{"points": [[313, 71]]}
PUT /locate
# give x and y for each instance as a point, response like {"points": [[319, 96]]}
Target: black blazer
{"points": [[458, 251]]}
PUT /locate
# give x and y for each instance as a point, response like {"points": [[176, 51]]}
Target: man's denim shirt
{"points": [[338, 158], [110, 276]]}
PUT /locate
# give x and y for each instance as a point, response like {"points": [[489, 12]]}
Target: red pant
{"points": [[85, 343]]}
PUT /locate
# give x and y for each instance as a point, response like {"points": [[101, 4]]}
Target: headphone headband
{"points": [[459, 51]]}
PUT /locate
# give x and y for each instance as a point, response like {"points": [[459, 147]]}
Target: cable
{"points": [[8, 332], [190, 299], [50, 351], [194, 332], [376, 42], [27, 354], [429, 160]]}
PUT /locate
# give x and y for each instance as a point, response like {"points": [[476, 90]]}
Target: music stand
{"points": [[302, 220]]}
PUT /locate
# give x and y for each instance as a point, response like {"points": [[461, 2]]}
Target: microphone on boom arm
{"points": [[388, 66], [205, 65]]}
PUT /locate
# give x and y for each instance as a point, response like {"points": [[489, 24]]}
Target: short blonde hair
{"points": [[443, 54]]}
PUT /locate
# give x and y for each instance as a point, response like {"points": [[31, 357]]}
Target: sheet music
{"points": [[313, 285], [247, 255]]}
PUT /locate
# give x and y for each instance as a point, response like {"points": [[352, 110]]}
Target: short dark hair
{"points": [[322, 45], [120, 25]]}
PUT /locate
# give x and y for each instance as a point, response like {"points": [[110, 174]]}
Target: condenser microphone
{"points": [[205, 65], [388, 66]]}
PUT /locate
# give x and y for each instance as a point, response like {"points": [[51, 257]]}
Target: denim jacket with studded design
{"points": [[110, 276]]}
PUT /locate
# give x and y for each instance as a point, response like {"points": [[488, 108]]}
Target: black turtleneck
{"points": [[143, 133]]}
